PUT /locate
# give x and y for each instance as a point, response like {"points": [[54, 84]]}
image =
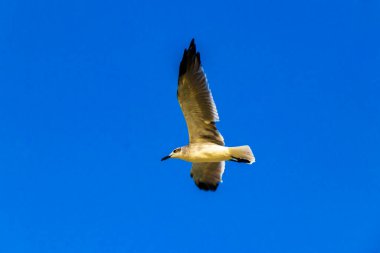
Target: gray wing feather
{"points": [[207, 176], [196, 101]]}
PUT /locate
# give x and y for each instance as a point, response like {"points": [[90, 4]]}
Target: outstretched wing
{"points": [[207, 176], [195, 99]]}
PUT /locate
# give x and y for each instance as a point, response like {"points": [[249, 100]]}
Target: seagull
{"points": [[206, 150]]}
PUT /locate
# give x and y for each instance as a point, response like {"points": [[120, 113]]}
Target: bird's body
{"points": [[206, 148], [205, 152]]}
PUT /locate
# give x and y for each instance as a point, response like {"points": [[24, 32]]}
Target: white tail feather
{"points": [[242, 154]]}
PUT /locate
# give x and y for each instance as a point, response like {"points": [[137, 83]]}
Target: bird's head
{"points": [[176, 153]]}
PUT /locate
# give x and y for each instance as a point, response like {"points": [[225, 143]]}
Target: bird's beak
{"points": [[165, 158]]}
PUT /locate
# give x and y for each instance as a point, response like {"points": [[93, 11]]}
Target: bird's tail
{"points": [[242, 154]]}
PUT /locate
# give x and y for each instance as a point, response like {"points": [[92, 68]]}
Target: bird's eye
{"points": [[176, 150]]}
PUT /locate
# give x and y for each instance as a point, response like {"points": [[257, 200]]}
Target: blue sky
{"points": [[88, 107]]}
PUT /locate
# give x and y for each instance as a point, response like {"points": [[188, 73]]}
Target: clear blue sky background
{"points": [[88, 107]]}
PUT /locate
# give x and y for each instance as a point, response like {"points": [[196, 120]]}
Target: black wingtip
{"points": [[190, 58], [207, 186], [192, 44]]}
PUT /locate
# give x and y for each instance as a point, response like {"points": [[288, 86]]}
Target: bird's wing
{"points": [[207, 176], [195, 99]]}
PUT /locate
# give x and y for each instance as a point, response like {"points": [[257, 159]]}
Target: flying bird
{"points": [[206, 148]]}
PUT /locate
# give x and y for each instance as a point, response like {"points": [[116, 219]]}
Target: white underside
{"points": [[206, 153]]}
